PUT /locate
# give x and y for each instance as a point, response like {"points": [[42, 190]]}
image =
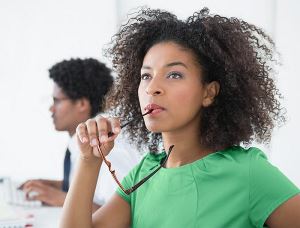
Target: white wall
{"points": [[36, 34], [285, 147], [247, 10]]}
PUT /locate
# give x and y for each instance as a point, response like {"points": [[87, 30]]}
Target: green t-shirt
{"points": [[232, 188]]}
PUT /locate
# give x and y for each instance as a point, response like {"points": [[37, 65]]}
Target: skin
{"points": [[66, 115], [179, 126], [160, 74]]}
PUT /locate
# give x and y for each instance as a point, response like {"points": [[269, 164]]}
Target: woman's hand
{"points": [[95, 132]]}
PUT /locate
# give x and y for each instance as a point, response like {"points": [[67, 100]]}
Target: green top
{"points": [[235, 187]]}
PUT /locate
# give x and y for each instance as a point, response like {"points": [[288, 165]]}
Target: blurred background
{"points": [[36, 34]]}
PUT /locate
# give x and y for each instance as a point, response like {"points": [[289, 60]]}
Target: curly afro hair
{"points": [[236, 54], [83, 78]]}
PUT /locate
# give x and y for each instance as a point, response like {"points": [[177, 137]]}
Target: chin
{"points": [[58, 128], [155, 128]]}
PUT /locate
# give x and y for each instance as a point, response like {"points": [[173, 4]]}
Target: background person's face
{"points": [[64, 111]]}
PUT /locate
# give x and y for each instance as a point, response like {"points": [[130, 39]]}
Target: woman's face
{"points": [[171, 85]]}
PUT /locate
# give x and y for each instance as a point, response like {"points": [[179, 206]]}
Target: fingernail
{"points": [[117, 129], [94, 142], [103, 139]]}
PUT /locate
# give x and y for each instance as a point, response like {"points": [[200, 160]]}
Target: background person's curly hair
{"points": [[232, 52], [83, 78]]}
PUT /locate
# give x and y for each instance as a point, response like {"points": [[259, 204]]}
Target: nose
{"points": [[51, 108], [154, 88]]}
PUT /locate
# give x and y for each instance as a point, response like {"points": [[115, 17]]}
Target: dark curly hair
{"points": [[236, 54], [83, 78]]}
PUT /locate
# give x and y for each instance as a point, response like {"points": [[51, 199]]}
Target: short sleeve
{"points": [[268, 188], [127, 182]]}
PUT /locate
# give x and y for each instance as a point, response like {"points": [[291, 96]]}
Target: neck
{"points": [[72, 132], [187, 148], [80, 119]]}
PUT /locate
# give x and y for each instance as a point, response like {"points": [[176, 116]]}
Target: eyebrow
{"points": [[176, 64], [168, 65]]}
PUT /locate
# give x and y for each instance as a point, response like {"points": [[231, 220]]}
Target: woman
{"points": [[206, 86]]}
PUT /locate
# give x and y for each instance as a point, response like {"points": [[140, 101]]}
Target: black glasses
{"points": [[136, 186], [57, 100]]}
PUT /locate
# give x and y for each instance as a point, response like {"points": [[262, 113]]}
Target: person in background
{"points": [[208, 88], [80, 86]]}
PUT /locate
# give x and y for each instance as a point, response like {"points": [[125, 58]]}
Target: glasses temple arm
{"points": [[132, 189]]}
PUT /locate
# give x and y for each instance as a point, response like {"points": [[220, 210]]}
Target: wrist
{"points": [[91, 160], [90, 164]]}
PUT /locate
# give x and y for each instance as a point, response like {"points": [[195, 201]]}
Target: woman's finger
{"points": [[81, 131], [92, 132], [103, 126], [115, 128]]}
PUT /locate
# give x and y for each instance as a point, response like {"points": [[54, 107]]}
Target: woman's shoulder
{"points": [[234, 159], [241, 154], [261, 171]]}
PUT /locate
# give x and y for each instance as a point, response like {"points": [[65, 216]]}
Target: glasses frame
{"points": [[57, 100], [137, 185]]}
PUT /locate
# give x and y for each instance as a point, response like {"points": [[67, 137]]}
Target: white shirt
{"points": [[123, 158]]}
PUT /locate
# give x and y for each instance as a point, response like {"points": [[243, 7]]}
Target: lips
{"points": [[153, 107]]}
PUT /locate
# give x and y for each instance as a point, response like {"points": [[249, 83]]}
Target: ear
{"points": [[211, 91], [83, 105]]}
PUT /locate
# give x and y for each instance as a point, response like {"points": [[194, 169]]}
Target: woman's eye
{"points": [[145, 76], [175, 75]]}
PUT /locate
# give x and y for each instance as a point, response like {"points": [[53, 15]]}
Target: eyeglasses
{"points": [[57, 100], [136, 186]]}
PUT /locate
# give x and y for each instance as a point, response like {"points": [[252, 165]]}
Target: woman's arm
{"points": [[286, 215], [77, 209]]}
